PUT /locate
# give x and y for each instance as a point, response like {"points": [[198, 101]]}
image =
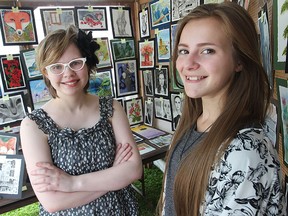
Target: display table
{"points": [[28, 197]]}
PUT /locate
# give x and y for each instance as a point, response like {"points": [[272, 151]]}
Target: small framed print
{"points": [[101, 83], [146, 53], [148, 82], [29, 64], [126, 78], [121, 22], [134, 111], [12, 174], [163, 45], [162, 141], [159, 13], [282, 93], [123, 49], [144, 23], [12, 73], [12, 109], [173, 31], [91, 18], [145, 148], [181, 9], [38, 92], [57, 18], [9, 143], [103, 53], [149, 112], [279, 29], [18, 26], [161, 81], [163, 108], [177, 104]]}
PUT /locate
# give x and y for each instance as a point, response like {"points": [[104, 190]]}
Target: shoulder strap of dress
{"points": [[42, 119], [106, 107]]}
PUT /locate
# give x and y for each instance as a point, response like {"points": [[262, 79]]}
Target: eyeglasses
{"points": [[59, 68]]}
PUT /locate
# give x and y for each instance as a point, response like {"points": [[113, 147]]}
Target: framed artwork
{"points": [[121, 22], [91, 18], [101, 83], [12, 174], [146, 131], [182, 8], [149, 111], [145, 148], [161, 81], [158, 107], [103, 53], [126, 78], [18, 27], [265, 43], [159, 13], [166, 109], [9, 143], [163, 45], [173, 29], [148, 82], [134, 111], [162, 141], [29, 64], [212, 1], [175, 77], [144, 23], [146, 53], [12, 109], [38, 92], [280, 38], [123, 49], [282, 94], [177, 104], [57, 18], [12, 73], [137, 138]]}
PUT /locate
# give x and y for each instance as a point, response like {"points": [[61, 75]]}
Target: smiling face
{"points": [[205, 58], [70, 82]]}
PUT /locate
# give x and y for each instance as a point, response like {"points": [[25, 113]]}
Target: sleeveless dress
{"points": [[84, 151]]}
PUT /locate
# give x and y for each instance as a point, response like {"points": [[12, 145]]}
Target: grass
{"points": [[147, 204]]}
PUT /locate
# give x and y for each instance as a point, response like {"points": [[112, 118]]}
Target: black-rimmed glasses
{"points": [[59, 68]]}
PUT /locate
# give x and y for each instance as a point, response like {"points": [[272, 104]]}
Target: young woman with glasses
{"points": [[79, 159]]}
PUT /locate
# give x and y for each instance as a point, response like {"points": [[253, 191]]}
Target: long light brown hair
{"points": [[247, 102]]}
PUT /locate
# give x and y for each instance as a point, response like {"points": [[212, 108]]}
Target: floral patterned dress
{"points": [[84, 151]]}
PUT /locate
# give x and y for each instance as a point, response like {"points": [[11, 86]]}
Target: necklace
{"points": [[185, 147]]}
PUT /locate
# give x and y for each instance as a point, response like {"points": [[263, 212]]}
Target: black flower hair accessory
{"points": [[88, 47]]}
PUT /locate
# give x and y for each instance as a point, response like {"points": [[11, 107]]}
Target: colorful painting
{"points": [[103, 53], [9, 143], [29, 64], [159, 13], [163, 45], [91, 18], [123, 49], [134, 111], [101, 83], [18, 26], [147, 54], [12, 73], [39, 93]]}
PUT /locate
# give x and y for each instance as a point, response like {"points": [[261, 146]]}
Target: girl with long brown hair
{"points": [[221, 161]]}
